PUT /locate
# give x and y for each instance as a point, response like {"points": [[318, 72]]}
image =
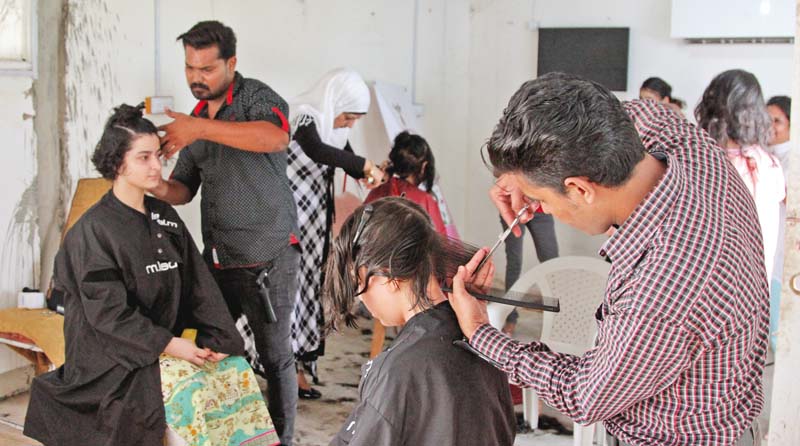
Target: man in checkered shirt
{"points": [[682, 330]]}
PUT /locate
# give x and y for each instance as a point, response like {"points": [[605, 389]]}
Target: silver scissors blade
{"points": [[503, 236]]}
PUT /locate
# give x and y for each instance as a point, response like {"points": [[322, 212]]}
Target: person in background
{"points": [[321, 118], [411, 165], [133, 281], [779, 109], [234, 145], [424, 390], [733, 112], [657, 89]]}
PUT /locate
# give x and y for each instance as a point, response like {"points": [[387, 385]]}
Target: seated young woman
{"points": [[411, 164], [133, 280], [424, 390]]}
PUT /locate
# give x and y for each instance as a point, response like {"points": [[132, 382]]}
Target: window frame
{"points": [[22, 67]]}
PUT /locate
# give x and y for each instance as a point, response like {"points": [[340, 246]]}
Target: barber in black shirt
{"points": [[234, 143]]}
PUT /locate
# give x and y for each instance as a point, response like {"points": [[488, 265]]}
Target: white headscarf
{"points": [[339, 91]]}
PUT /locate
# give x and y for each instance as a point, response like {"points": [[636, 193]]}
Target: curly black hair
{"points": [[125, 125]]}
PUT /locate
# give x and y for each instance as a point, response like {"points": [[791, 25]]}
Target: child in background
{"points": [[410, 165]]}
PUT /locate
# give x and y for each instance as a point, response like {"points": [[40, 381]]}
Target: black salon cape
{"points": [[426, 391], [131, 282]]}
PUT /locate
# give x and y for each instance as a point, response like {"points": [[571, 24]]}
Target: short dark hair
{"points": [[409, 152], [658, 85], [397, 241], [209, 33], [559, 126], [122, 128], [733, 109], [784, 103]]}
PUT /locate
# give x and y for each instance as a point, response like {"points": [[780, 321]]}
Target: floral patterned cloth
{"points": [[216, 404]]}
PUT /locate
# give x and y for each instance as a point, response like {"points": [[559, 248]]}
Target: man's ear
{"points": [[581, 190], [231, 63]]}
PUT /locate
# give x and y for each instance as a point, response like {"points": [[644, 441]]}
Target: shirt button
{"points": [[158, 235], [160, 251]]}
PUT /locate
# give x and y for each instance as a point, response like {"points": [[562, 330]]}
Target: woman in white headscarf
{"points": [[321, 119]]}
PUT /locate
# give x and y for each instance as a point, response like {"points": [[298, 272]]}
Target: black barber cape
{"points": [[131, 282], [426, 391]]}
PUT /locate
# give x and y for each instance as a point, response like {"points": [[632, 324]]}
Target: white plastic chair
{"points": [[579, 284]]}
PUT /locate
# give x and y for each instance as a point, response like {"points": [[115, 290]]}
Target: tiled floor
{"points": [[317, 420]]}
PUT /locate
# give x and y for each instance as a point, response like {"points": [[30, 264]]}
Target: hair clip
{"points": [[365, 214]]}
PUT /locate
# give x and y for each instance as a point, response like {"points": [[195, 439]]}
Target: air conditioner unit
{"points": [[733, 21]]}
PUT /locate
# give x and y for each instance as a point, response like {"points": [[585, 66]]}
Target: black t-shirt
{"points": [[424, 390]]}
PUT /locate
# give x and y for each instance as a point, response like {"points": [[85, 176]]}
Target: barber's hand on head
{"points": [[471, 312], [215, 356], [373, 176], [179, 133], [185, 349], [509, 200]]}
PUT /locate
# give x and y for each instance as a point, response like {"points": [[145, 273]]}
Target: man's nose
{"points": [[193, 76]]}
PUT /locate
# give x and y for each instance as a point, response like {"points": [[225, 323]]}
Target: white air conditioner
{"points": [[733, 20]]}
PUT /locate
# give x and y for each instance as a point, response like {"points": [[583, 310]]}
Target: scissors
{"points": [[503, 236]]}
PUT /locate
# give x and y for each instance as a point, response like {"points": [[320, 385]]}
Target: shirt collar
{"points": [[633, 236], [233, 90]]}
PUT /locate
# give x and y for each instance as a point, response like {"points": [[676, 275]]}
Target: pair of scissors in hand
{"points": [[503, 236]]}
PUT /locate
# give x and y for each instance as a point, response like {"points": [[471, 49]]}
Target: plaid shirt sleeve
{"points": [[635, 357]]}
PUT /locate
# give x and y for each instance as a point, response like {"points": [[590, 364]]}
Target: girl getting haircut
{"points": [[411, 155], [390, 237], [424, 390], [126, 124]]}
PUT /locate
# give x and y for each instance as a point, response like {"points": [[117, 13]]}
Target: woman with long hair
{"points": [[733, 112]]}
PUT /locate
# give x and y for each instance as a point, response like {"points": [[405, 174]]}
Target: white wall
{"points": [[109, 60], [19, 242]]}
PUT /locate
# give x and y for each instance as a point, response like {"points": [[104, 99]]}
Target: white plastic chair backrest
{"points": [[579, 283]]}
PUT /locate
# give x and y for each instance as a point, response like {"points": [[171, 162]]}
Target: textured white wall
{"points": [[19, 242], [109, 60]]}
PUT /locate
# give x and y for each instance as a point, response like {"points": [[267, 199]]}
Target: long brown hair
{"points": [[394, 238]]}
